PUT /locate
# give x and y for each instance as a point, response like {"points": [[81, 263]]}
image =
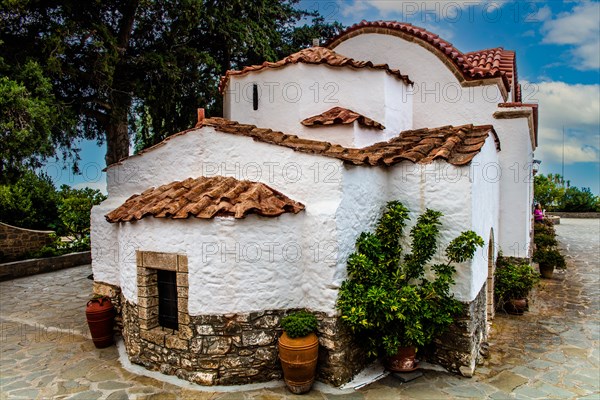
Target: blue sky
{"points": [[558, 62]]}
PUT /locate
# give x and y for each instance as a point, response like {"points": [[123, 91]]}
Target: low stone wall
{"points": [[16, 242], [574, 214], [458, 348], [18, 269]]}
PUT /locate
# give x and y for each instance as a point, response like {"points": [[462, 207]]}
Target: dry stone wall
{"points": [[238, 349], [458, 348], [229, 349], [17, 242], [234, 349]]}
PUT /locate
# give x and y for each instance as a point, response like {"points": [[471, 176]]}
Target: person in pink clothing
{"points": [[538, 214]]}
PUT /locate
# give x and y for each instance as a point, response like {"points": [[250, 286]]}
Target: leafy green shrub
{"points": [[388, 301], [544, 227], [299, 324], [544, 240], [549, 256], [513, 281]]}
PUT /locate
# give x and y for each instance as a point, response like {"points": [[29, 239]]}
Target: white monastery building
{"points": [[207, 239]]}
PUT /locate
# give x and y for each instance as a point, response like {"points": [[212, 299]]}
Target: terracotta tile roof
{"points": [[472, 66], [205, 198], [457, 145], [339, 115], [496, 59], [315, 55]]}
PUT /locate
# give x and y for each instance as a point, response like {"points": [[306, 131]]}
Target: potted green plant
{"points": [[389, 301], [549, 258], [299, 350], [544, 240], [544, 227], [512, 284]]}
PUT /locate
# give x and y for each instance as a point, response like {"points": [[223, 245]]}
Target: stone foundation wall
{"points": [[458, 348], [234, 349], [564, 214], [17, 242], [229, 349]]}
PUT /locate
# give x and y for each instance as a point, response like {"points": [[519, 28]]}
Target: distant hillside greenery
{"points": [[556, 194], [34, 203]]}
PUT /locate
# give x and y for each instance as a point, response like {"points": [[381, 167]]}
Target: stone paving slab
{"points": [[550, 352]]}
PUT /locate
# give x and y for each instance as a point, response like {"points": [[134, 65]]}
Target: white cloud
{"points": [[542, 13], [529, 33], [578, 28], [352, 9], [576, 108], [417, 11]]}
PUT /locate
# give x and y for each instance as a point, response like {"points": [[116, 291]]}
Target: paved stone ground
{"points": [[551, 352]]}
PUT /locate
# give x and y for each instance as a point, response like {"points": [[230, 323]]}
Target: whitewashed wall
{"points": [[341, 201], [349, 135], [486, 174], [441, 187], [516, 184], [244, 265], [440, 100], [295, 92], [438, 97], [365, 193], [313, 180]]}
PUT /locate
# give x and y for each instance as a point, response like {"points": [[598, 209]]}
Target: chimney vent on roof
{"points": [[315, 42], [200, 117]]}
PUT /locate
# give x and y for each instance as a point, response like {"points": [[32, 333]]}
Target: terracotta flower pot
{"points": [[100, 315], [403, 361], [299, 361], [516, 306], [546, 270]]}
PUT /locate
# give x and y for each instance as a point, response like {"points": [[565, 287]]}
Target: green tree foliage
{"points": [[392, 300], [579, 200], [33, 124], [158, 59], [32, 202], [75, 208], [548, 190], [557, 195]]}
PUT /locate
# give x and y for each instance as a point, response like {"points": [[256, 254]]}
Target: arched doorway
{"points": [[490, 279]]}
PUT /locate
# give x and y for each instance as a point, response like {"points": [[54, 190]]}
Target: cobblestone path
{"points": [[550, 352]]}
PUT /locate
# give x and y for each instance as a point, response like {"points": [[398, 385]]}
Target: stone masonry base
{"points": [[230, 349], [458, 348], [238, 349]]}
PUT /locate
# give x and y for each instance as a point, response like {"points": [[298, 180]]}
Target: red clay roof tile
{"points": [[446, 141], [314, 55], [340, 115], [482, 64], [205, 198], [419, 146]]}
